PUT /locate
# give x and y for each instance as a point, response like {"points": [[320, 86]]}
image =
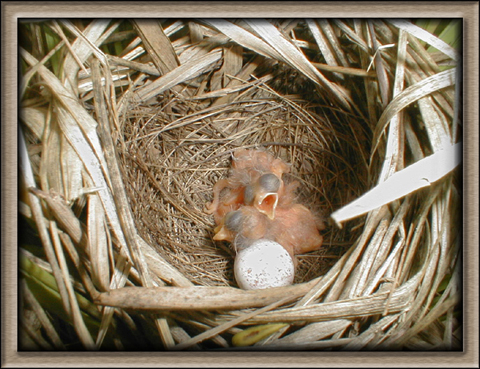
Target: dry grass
{"points": [[126, 126]]}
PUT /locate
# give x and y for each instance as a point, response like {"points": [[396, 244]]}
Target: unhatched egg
{"points": [[264, 264]]}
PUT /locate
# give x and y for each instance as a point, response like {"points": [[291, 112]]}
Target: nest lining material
{"points": [[174, 138]]}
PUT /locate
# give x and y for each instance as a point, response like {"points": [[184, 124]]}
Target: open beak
{"points": [[267, 203]]}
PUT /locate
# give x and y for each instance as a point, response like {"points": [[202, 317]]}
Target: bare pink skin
{"points": [[278, 218]]}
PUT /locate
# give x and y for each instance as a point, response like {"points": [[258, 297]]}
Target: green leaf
{"points": [[451, 34], [252, 335], [44, 287]]}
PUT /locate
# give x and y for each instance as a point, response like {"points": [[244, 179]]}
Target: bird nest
{"points": [[174, 151], [353, 106]]}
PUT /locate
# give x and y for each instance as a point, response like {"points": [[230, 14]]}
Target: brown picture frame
{"points": [[13, 11]]}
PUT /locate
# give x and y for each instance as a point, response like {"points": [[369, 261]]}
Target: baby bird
{"points": [[294, 227], [247, 178], [231, 199], [241, 227], [254, 203]]}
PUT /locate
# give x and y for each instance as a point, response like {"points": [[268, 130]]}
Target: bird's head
{"points": [[263, 194]]}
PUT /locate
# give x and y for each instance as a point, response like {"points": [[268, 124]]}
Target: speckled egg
{"points": [[264, 264]]}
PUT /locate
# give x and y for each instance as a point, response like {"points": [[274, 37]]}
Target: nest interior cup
{"points": [[180, 163]]}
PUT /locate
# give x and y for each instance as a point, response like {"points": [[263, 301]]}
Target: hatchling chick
{"points": [[242, 227], [294, 227], [224, 202], [247, 178]]}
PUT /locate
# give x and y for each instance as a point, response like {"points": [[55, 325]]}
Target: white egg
{"points": [[264, 264]]}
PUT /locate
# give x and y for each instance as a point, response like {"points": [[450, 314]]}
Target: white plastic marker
{"points": [[420, 174]]}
